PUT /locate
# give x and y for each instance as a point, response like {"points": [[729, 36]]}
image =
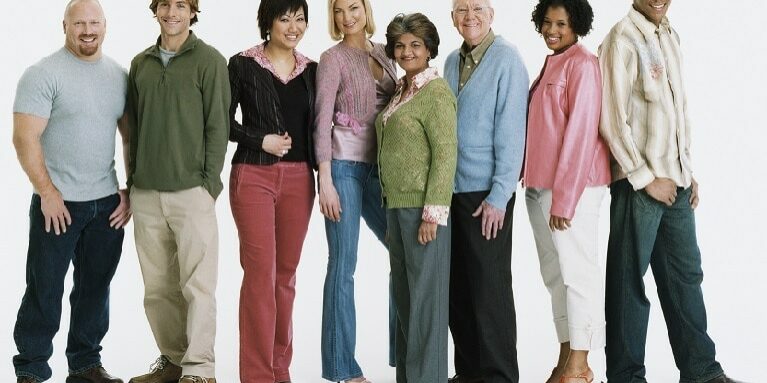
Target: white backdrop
{"points": [[726, 92]]}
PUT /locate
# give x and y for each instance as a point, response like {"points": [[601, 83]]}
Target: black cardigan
{"points": [[253, 90]]}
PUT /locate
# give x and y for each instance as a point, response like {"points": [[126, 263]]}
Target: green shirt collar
{"points": [[189, 44], [478, 51]]}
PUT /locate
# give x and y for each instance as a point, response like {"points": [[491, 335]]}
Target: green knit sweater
{"points": [[417, 149]]}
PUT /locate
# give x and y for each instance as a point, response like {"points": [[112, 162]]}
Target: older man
{"points": [[652, 220], [490, 81], [67, 109]]}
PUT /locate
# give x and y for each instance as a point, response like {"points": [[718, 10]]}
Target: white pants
{"points": [[570, 267]]}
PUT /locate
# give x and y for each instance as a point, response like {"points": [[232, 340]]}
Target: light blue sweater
{"points": [[492, 115]]}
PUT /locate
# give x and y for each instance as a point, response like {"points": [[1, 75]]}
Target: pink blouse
{"points": [[258, 55], [564, 150]]}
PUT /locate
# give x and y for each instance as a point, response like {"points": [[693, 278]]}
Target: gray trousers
{"points": [[421, 281]]}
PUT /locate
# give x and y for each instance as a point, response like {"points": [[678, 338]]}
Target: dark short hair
{"points": [[193, 4], [416, 24], [270, 10], [580, 13]]}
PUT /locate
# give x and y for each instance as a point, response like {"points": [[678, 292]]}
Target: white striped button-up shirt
{"points": [[644, 106]]}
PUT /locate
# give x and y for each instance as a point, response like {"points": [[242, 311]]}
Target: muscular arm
{"points": [[27, 130]]}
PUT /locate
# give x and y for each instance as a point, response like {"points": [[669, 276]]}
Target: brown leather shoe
{"points": [[162, 371], [196, 379], [26, 379], [94, 375]]}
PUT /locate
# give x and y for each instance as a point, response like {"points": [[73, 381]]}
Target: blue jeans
{"points": [[646, 233], [94, 249], [359, 192]]}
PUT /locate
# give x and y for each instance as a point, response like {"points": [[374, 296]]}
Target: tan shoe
{"points": [[162, 371], [196, 379]]}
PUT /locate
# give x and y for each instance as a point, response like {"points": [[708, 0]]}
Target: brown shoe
{"points": [[162, 371], [196, 379], [93, 375], [26, 379]]}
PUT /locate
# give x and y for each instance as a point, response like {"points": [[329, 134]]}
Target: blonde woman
{"points": [[355, 81]]}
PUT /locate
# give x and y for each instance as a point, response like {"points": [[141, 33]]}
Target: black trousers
{"points": [[482, 317]]}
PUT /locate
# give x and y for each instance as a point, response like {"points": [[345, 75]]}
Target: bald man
{"points": [[68, 107]]}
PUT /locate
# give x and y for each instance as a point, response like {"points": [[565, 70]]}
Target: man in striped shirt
{"points": [[645, 122]]}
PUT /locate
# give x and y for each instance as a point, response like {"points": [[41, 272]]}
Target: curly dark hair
{"points": [[416, 24], [580, 13]]}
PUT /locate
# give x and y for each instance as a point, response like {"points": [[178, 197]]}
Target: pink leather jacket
{"points": [[564, 150]]}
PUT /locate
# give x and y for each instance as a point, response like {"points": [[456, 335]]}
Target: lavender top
{"points": [[348, 101]]}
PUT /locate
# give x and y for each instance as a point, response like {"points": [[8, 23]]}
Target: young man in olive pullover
{"points": [[178, 104]]}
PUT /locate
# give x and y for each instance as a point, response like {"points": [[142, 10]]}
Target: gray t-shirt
{"points": [[82, 102], [165, 56]]}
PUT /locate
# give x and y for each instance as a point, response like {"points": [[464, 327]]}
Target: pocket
{"points": [[234, 179], [556, 90], [644, 201], [207, 197]]}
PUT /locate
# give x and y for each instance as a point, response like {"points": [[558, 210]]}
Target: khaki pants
{"points": [[177, 244]]}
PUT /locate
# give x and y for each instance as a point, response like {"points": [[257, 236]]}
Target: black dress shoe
{"points": [[723, 379], [94, 375], [459, 379], [26, 379]]}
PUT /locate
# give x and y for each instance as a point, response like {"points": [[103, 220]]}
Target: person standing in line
{"points": [[567, 168], [67, 109], [178, 106], [645, 122], [355, 81], [271, 188], [489, 78], [416, 135]]}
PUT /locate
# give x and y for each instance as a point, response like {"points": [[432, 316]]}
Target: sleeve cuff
{"points": [[641, 177], [436, 214], [497, 198], [561, 211]]}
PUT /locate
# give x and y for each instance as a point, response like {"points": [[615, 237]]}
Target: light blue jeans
{"points": [[359, 192]]}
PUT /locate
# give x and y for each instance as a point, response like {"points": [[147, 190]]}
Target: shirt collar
{"points": [[259, 56], [478, 51], [189, 43], [647, 27], [421, 79]]}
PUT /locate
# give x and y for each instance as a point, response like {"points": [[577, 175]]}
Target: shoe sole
{"points": [[75, 379]]}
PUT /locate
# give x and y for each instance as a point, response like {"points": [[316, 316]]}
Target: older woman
{"points": [[355, 80], [566, 173], [272, 185], [417, 158]]}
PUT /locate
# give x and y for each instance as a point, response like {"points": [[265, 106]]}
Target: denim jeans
{"points": [[359, 192], [94, 249], [646, 233]]}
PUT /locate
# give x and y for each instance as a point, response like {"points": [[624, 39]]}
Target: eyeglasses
{"points": [[463, 11]]}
